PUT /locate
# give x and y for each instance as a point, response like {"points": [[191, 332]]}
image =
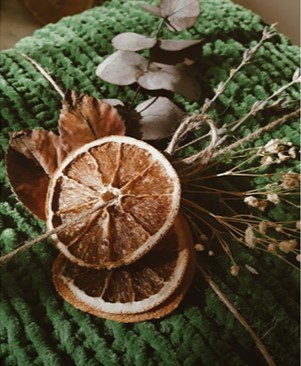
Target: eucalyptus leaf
{"points": [[154, 10], [177, 44], [113, 102], [159, 118], [130, 41], [176, 78], [180, 14], [122, 67]]}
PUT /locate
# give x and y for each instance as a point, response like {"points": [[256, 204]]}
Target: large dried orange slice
{"points": [[151, 287], [139, 191]]}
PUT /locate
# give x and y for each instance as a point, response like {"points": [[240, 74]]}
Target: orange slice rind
{"points": [[106, 293], [140, 192]]}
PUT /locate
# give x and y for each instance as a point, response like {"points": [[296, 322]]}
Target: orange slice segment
{"points": [[139, 191], [149, 288]]}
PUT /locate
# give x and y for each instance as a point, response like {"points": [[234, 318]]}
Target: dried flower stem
{"points": [[195, 121], [261, 347], [259, 105], [257, 133], [7, 257], [45, 74]]}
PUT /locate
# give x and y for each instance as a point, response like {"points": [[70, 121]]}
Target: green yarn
{"points": [[37, 327]]}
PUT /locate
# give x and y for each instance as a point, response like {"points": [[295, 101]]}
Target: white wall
{"points": [[285, 12]]}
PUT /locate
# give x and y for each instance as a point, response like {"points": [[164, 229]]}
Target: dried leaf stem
{"points": [[44, 73], [195, 121], [261, 347], [7, 257]]}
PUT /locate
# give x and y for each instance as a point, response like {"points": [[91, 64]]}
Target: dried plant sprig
{"points": [[44, 73], [261, 347], [270, 126], [261, 104], [195, 121], [255, 108]]}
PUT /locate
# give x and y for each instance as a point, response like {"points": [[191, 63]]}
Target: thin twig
{"points": [[261, 347], [45, 74], [259, 105], [7, 257], [257, 133], [194, 121]]}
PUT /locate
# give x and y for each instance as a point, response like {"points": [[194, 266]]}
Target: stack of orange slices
{"points": [[132, 258]]}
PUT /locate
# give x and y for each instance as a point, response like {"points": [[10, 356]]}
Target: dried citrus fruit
{"points": [[151, 287], [140, 193]]}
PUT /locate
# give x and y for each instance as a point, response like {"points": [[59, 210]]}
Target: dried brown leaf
{"points": [[31, 159], [84, 119], [122, 67], [41, 146], [159, 118], [176, 78], [180, 14], [28, 180], [130, 41]]}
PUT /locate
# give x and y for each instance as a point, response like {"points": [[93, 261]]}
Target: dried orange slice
{"points": [[150, 288], [140, 193]]}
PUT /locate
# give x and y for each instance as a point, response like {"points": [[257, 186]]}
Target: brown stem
{"points": [[7, 257], [261, 347], [257, 133], [45, 74]]}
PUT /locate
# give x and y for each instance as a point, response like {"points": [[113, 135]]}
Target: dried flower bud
{"points": [[298, 257], [274, 198], [279, 228], [290, 180], [262, 205], [251, 201], [211, 253], [199, 247], [267, 160], [262, 227], [234, 270], [272, 146], [287, 245], [250, 238], [203, 237], [283, 157], [298, 224], [272, 248], [292, 152]]}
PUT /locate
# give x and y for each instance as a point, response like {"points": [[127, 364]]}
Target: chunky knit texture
{"points": [[37, 327]]}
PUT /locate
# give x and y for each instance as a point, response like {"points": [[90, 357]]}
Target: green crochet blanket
{"points": [[37, 327]]}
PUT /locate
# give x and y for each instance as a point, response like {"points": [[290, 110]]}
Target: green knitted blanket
{"points": [[37, 327]]}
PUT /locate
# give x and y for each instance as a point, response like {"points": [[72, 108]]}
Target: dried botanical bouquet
{"points": [[135, 195]]}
